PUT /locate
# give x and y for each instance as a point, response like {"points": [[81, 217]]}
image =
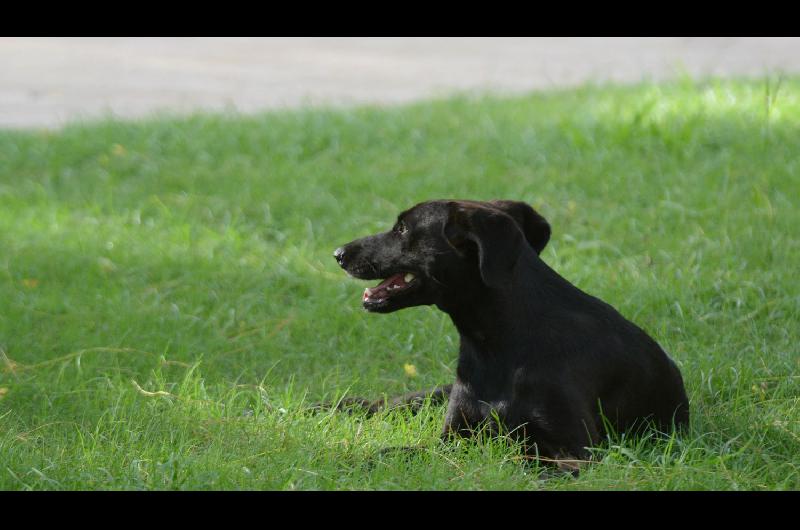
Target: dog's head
{"points": [[439, 250]]}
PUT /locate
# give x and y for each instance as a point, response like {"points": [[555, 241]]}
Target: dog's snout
{"points": [[339, 255]]}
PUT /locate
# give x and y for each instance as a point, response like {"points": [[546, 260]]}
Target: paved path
{"points": [[48, 81]]}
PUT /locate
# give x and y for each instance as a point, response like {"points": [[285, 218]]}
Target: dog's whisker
{"points": [[432, 277]]}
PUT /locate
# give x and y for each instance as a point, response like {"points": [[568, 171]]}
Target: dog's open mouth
{"points": [[388, 288]]}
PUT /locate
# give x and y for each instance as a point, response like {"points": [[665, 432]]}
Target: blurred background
{"points": [[46, 82]]}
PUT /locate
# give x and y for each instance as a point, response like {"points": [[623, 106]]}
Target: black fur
{"points": [[537, 353]]}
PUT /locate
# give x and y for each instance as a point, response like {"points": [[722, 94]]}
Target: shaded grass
{"points": [[169, 300]]}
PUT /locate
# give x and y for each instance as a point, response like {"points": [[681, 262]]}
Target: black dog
{"points": [[553, 364]]}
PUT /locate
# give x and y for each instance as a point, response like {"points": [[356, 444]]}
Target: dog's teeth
{"points": [[408, 277]]}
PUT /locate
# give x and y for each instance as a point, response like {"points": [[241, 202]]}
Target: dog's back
{"points": [[630, 376]]}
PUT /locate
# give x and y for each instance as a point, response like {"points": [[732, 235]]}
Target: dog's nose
{"points": [[339, 255]]}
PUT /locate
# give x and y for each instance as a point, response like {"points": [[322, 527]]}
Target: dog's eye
{"points": [[400, 228]]}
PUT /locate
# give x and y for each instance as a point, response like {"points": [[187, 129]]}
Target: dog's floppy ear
{"points": [[533, 225], [496, 234]]}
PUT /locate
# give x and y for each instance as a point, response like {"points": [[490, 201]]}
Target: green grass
{"points": [[169, 302]]}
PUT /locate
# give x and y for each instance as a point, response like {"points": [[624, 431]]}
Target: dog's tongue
{"points": [[382, 289]]}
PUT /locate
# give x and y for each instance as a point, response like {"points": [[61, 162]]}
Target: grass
{"points": [[169, 303]]}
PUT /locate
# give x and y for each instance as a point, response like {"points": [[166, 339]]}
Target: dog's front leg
{"points": [[413, 401]]}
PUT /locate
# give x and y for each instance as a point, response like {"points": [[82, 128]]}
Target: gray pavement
{"points": [[46, 82]]}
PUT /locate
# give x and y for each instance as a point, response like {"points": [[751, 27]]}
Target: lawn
{"points": [[169, 304]]}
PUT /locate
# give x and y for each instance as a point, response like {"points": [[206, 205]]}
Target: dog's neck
{"points": [[488, 319]]}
